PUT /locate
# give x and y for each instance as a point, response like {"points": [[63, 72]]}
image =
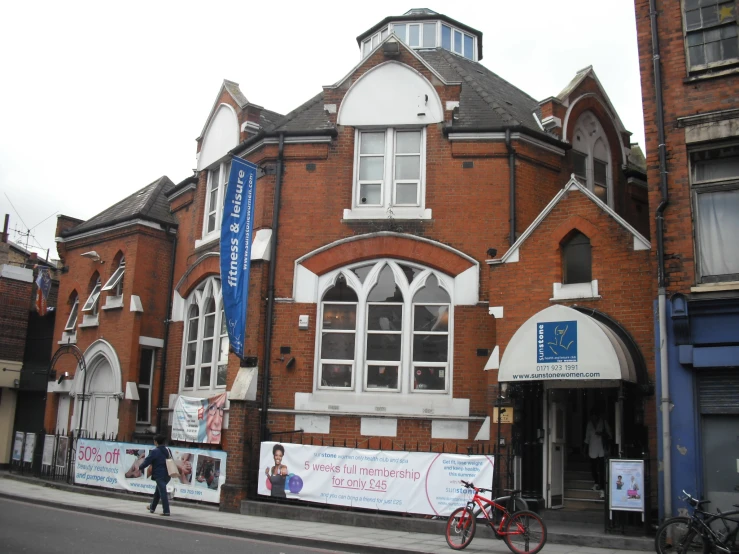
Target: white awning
{"points": [[560, 343]]}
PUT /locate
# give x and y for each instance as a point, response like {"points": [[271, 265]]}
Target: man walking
{"points": [[157, 459]]}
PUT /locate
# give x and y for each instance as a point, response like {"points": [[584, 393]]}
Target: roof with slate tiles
{"points": [[149, 203], [487, 100]]}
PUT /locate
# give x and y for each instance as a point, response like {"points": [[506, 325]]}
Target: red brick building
{"points": [[398, 214], [689, 62]]}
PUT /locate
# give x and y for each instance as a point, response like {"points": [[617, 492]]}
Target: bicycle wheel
{"points": [[719, 523], [460, 529], [525, 533], [676, 535]]}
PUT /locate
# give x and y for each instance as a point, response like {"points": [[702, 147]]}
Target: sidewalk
{"points": [[209, 520]]}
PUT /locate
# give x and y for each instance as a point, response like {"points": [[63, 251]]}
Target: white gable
{"points": [[391, 94], [222, 135]]}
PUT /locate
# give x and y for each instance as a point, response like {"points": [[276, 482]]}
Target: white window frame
{"points": [[210, 288], [697, 68], [115, 283], [363, 289], [590, 131], [217, 210], [708, 186], [371, 42], [146, 386], [388, 184], [91, 305], [71, 325]]}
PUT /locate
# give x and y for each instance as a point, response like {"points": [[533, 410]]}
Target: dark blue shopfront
{"points": [[703, 361]]}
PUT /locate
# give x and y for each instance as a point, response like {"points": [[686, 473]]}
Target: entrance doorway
{"points": [[568, 471], [101, 403]]}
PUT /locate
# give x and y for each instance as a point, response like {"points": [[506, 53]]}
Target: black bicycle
{"points": [[703, 532]]}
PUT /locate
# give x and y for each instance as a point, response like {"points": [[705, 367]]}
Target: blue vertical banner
{"points": [[236, 230]]}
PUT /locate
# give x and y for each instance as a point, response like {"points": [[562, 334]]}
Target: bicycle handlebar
{"points": [[468, 485]]}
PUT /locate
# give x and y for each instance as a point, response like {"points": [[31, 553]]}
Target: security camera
{"points": [[62, 377], [492, 252], [290, 363]]}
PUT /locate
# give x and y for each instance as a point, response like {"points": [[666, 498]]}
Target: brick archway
{"points": [[387, 245]]}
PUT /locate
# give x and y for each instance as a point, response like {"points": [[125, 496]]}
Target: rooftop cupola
{"points": [[421, 28]]}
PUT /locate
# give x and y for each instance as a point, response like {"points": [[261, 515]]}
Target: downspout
{"points": [[511, 185], [167, 321], [271, 288], [661, 279]]}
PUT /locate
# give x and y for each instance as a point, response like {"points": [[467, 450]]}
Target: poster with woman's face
{"points": [[626, 485]]}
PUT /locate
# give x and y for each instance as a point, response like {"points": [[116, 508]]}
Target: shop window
{"points": [[146, 373], [715, 186], [205, 344], [576, 259], [710, 33], [385, 326]]}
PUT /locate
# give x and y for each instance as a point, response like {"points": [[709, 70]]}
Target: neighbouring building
{"points": [[26, 330], [689, 59], [414, 223]]}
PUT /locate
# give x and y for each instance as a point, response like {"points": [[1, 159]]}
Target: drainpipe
{"points": [[167, 321], [511, 184], [661, 279], [271, 288]]}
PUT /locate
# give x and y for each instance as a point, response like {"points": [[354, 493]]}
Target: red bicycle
{"points": [[522, 531]]}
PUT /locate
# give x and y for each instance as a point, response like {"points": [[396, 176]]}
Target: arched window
{"points": [[576, 259], [591, 160], [385, 326], [92, 303], [205, 344], [74, 301], [114, 285]]}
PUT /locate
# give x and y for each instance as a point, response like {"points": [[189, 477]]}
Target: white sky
{"points": [[98, 99]]}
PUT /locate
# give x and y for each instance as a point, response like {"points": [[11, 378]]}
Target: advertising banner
{"points": [[18, 446], [43, 286], [30, 447], [410, 482], [236, 229], [626, 478], [115, 465], [198, 419], [47, 458]]}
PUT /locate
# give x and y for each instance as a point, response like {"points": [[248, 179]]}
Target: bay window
{"points": [[385, 326]]}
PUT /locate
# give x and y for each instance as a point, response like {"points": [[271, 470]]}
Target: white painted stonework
{"points": [[313, 423], [379, 427], [442, 429], [391, 94], [222, 135]]}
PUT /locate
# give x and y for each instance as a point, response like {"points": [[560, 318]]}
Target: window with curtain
{"points": [[384, 326], [205, 341], [715, 184]]}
